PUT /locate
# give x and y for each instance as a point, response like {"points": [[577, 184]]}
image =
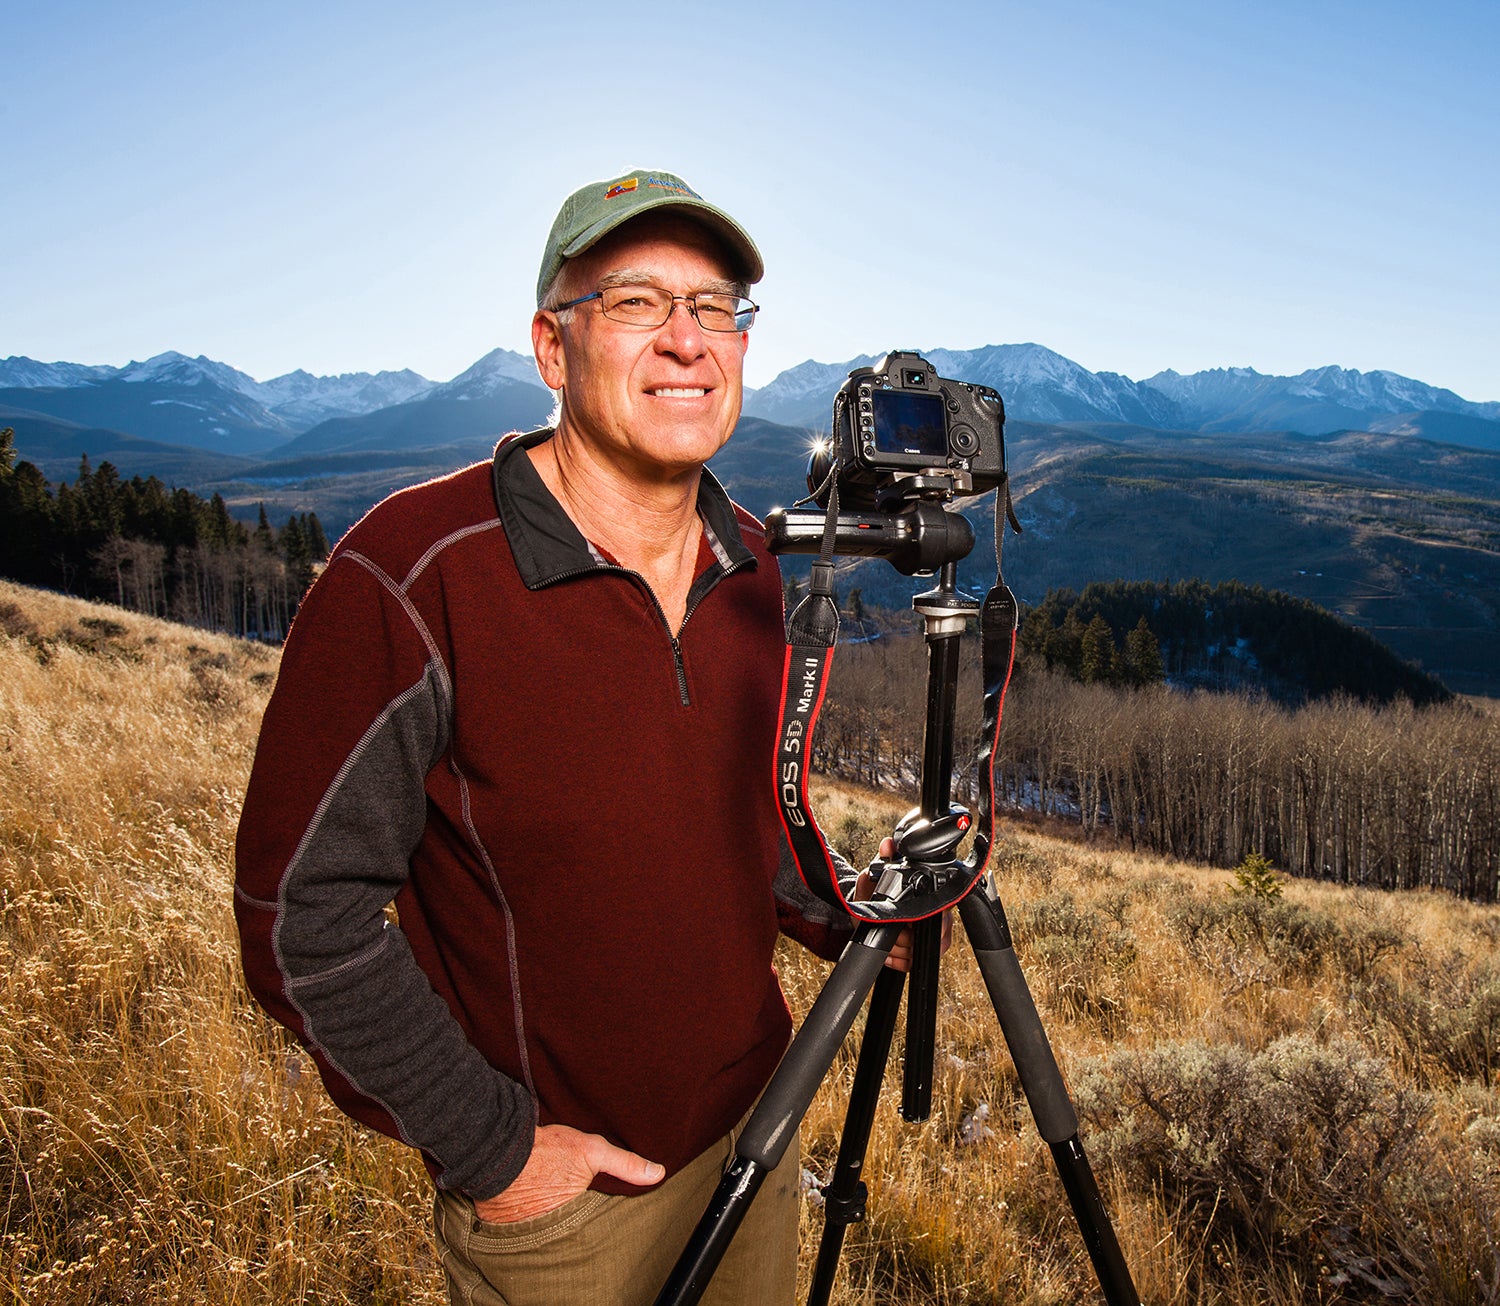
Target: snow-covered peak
{"points": [[496, 368], [305, 400], [1038, 384], [1318, 400], [178, 369], [27, 373], [811, 376], [303, 396], [803, 394], [1217, 381], [1041, 385], [1006, 364], [1378, 391]]}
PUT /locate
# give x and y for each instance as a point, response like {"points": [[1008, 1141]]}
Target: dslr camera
{"points": [[901, 433]]}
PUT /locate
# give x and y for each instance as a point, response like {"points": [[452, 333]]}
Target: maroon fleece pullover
{"points": [[485, 720]]}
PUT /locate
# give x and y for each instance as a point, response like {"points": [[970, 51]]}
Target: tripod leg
{"points": [[774, 1121], [921, 1020], [1046, 1093], [844, 1194]]}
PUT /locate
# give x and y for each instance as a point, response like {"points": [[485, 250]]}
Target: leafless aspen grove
{"points": [[1390, 798]]}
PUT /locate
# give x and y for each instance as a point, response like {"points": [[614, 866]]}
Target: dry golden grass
{"points": [[162, 1142], [1347, 981]]}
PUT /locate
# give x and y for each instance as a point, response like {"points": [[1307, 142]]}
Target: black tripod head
{"points": [[916, 539], [926, 857]]}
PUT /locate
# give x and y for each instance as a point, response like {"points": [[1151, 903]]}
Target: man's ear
{"points": [[547, 345]]}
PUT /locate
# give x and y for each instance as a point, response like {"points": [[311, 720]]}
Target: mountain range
{"points": [[215, 395], [209, 405], [1372, 494]]}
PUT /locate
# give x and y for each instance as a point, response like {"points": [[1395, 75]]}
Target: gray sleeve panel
{"points": [[366, 1004], [790, 889]]}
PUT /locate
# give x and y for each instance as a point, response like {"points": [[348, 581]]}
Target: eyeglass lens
{"points": [[651, 306]]}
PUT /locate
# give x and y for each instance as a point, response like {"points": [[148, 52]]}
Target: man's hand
{"points": [[562, 1164], [900, 955]]}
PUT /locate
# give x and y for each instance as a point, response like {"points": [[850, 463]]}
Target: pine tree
{"points": [[1096, 649], [219, 526], [1064, 647], [296, 552], [1143, 656], [25, 516], [317, 542], [265, 537], [104, 500], [1256, 878], [292, 542]]}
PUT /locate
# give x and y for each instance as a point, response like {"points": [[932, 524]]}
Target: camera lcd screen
{"points": [[907, 423]]}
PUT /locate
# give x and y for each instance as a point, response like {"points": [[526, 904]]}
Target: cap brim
{"points": [[749, 265]]}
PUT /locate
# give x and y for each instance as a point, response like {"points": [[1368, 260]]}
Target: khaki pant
{"points": [[600, 1250]]}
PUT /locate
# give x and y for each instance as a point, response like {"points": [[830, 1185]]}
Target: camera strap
{"points": [[812, 633], [999, 621]]}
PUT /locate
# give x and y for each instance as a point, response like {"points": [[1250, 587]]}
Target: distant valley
{"points": [[1372, 494]]}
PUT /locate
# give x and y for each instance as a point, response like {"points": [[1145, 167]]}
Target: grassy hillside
{"points": [[1287, 1100]]}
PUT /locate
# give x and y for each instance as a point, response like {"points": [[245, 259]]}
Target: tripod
{"points": [[925, 856]]}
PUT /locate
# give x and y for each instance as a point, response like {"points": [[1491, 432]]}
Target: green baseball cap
{"points": [[590, 214]]}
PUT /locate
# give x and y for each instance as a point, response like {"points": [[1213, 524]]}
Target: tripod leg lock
{"points": [[847, 1208]]}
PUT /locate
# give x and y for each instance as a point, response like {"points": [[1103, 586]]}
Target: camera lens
{"points": [[819, 464]]}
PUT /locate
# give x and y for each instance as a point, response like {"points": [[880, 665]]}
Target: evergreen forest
{"points": [[159, 551], [1227, 636]]}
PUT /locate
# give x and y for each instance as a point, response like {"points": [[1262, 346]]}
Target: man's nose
{"points": [[681, 333]]}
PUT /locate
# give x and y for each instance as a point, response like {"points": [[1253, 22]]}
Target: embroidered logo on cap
{"points": [[622, 188], [676, 187]]}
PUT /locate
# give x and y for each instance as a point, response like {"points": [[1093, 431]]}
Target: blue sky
{"points": [[352, 187]]}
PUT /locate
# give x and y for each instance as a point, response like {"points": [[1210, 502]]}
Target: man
{"points": [[534, 703]]}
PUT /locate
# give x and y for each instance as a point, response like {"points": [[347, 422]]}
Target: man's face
{"points": [[654, 402]]}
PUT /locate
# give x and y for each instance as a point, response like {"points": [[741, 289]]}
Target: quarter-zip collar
{"points": [[548, 547]]}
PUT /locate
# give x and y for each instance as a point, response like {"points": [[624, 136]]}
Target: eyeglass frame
{"points": [[690, 300]]}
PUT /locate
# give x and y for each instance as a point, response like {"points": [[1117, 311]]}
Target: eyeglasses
{"points": [[651, 306]]}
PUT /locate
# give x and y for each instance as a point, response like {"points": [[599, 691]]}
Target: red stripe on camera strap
{"points": [[806, 682], [811, 633]]}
